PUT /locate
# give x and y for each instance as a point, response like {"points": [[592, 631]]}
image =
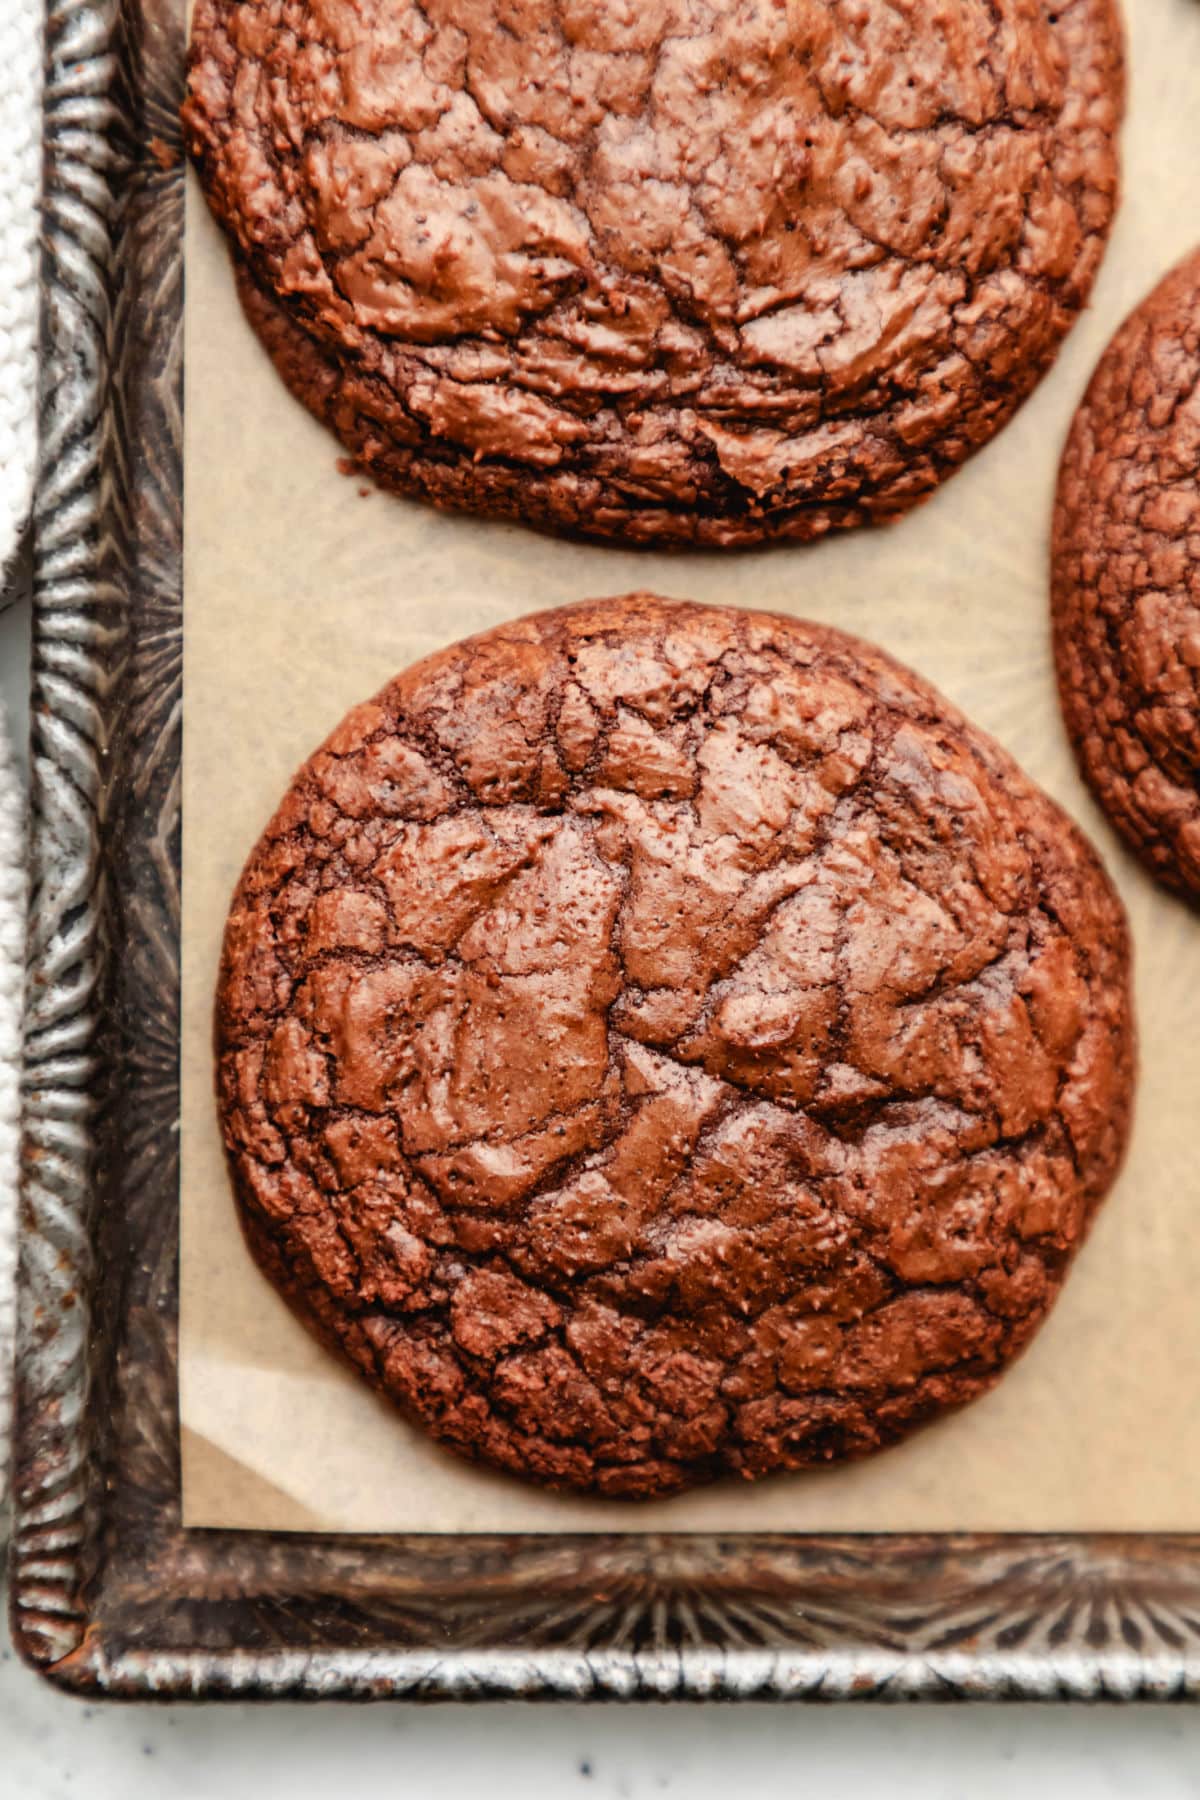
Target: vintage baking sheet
{"points": [[302, 597]]}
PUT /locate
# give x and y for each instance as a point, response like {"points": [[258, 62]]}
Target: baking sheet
{"points": [[302, 596]]}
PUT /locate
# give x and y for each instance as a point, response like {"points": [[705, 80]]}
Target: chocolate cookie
{"points": [[661, 269], [1127, 581], [658, 1042]]}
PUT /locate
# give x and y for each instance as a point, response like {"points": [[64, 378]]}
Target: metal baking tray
{"points": [[109, 1594]]}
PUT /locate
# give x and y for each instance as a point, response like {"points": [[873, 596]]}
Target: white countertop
{"points": [[52, 1748]]}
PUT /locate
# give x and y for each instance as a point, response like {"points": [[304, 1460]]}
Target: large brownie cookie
{"points": [[656, 1042], [1127, 581], [661, 269]]}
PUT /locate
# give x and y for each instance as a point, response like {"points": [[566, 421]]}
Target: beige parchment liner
{"points": [[302, 597]]}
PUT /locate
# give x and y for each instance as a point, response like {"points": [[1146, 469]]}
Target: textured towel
{"points": [[20, 165], [20, 168]]}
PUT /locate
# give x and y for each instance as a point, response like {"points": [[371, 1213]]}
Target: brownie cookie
{"points": [[1127, 581], [657, 1042], [663, 270]]}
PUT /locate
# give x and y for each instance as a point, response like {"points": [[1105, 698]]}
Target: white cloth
{"points": [[20, 169], [20, 172]]}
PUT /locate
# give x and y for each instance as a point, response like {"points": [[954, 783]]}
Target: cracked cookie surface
{"points": [[669, 270], [658, 1042], [1126, 572]]}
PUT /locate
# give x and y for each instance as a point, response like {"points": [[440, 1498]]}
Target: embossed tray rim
{"points": [[109, 1595]]}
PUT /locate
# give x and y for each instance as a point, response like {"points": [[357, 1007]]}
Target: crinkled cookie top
{"points": [[669, 269], [658, 1042]]}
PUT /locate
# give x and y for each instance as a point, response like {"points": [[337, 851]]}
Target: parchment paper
{"points": [[302, 597]]}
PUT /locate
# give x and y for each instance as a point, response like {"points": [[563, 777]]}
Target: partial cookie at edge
{"points": [[1126, 581]]}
